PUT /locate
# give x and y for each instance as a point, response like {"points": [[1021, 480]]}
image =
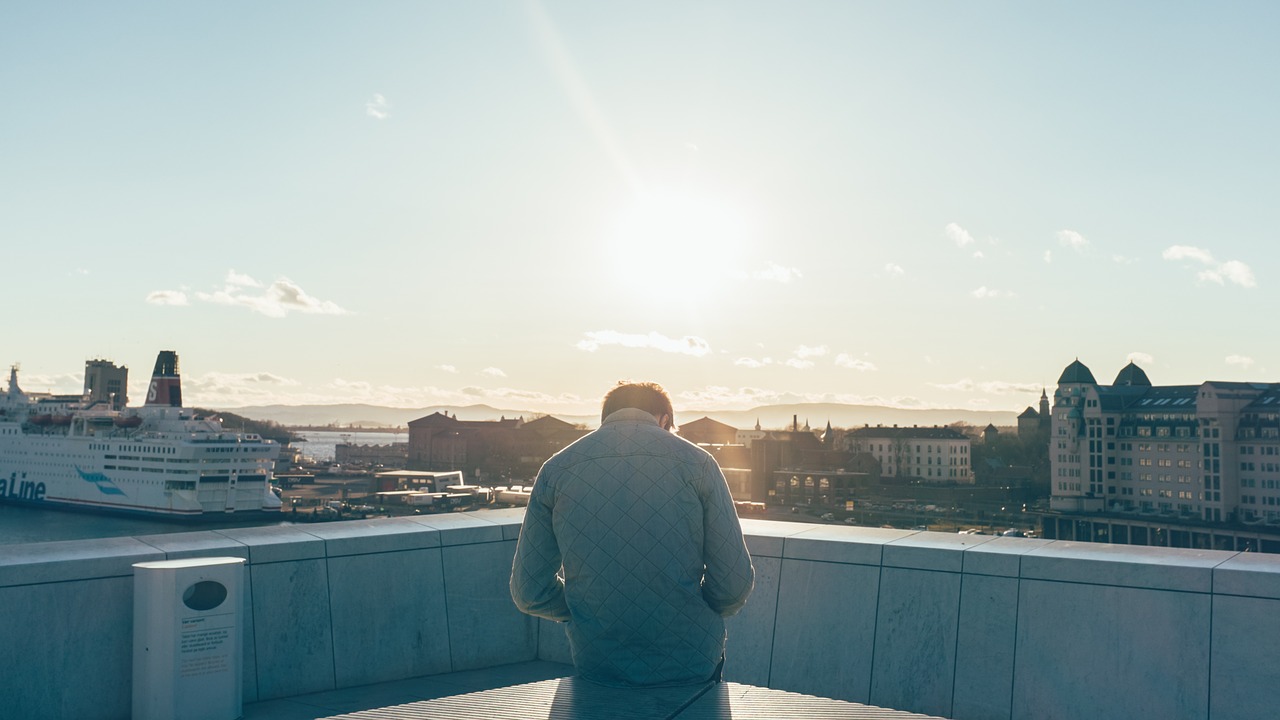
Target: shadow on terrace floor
{"points": [[400, 692], [545, 691]]}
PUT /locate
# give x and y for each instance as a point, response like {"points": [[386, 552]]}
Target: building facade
{"points": [[1207, 452], [502, 449], [106, 382], [932, 454]]}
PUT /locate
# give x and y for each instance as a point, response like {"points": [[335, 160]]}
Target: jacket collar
{"points": [[630, 415]]}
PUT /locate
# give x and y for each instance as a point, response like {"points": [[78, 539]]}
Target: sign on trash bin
{"points": [[188, 639]]}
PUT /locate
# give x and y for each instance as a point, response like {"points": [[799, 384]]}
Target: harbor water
{"points": [[21, 524], [319, 444]]}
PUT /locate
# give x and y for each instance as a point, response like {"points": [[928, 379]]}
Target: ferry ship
{"points": [[90, 452]]}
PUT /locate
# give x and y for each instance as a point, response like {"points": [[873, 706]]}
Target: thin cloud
{"points": [[1187, 252], [894, 270], [240, 279], [1048, 256], [168, 297], [62, 383], [799, 364], [1240, 361], [493, 372], [448, 369], [277, 300], [743, 398], [958, 235], [805, 351], [1073, 240], [845, 360], [991, 387], [687, 345], [752, 362], [377, 108], [1141, 358], [1232, 271]]}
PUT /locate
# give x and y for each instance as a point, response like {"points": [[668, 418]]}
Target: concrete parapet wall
{"points": [[980, 627], [326, 606], [971, 627]]}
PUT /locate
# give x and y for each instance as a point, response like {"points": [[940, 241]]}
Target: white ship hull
{"points": [[158, 461], [217, 475]]}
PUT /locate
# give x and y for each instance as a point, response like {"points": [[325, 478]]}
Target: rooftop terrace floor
{"points": [[543, 690]]}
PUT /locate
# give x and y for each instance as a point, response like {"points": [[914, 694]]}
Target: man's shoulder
{"points": [[684, 449]]}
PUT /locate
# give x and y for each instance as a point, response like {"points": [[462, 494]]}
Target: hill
{"points": [[769, 416]]}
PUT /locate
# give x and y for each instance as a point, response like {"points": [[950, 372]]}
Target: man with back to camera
{"points": [[631, 537]]}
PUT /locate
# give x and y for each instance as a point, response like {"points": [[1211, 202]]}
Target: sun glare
{"points": [[679, 244]]}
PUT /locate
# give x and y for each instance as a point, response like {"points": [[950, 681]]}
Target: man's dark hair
{"points": [[647, 396]]}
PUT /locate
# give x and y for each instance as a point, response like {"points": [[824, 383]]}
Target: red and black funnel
{"points": [[166, 384]]}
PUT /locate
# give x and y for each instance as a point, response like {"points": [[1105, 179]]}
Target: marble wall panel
{"points": [[553, 643], [1249, 573], [380, 535], [276, 543], [1246, 666], [292, 636], [389, 617], [30, 563], [485, 628], [932, 550], [1100, 651], [750, 644], [915, 646], [841, 544], [825, 631], [249, 681], [984, 647], [67, 650], [1001, 556], [462, 528], [1124, 565], [766, 537], [178, 546]]}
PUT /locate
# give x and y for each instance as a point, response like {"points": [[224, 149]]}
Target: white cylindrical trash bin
{"points": [[188, 642]]}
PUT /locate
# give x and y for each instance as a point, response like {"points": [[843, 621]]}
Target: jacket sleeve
{"points": [[536, 586], [729, 575]]}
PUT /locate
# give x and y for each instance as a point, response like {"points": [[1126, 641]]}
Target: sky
{"points": [[912, 204]]}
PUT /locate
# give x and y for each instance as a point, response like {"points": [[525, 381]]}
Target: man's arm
{"points": [[729, 576], [535, 586]]}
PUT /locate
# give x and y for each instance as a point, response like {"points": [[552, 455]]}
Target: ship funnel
{"points": [[166, 384]]}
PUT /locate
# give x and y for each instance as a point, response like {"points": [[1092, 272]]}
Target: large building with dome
{"points": [[1207, 452]]}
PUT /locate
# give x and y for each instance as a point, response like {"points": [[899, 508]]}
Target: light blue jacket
{"points": [[641, 528]]}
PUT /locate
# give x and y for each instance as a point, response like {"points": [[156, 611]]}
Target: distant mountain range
{"points": [[770, 417]]}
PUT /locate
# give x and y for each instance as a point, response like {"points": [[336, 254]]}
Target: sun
{"points": [[679, 243]]}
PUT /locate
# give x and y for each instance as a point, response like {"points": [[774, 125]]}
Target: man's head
{"points": [[646, 396]]}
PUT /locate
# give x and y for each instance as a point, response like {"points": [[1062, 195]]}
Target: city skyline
{"points": [[520, 203]]}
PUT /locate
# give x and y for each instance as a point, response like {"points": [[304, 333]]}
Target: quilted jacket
{"points": [[631, 538]]}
